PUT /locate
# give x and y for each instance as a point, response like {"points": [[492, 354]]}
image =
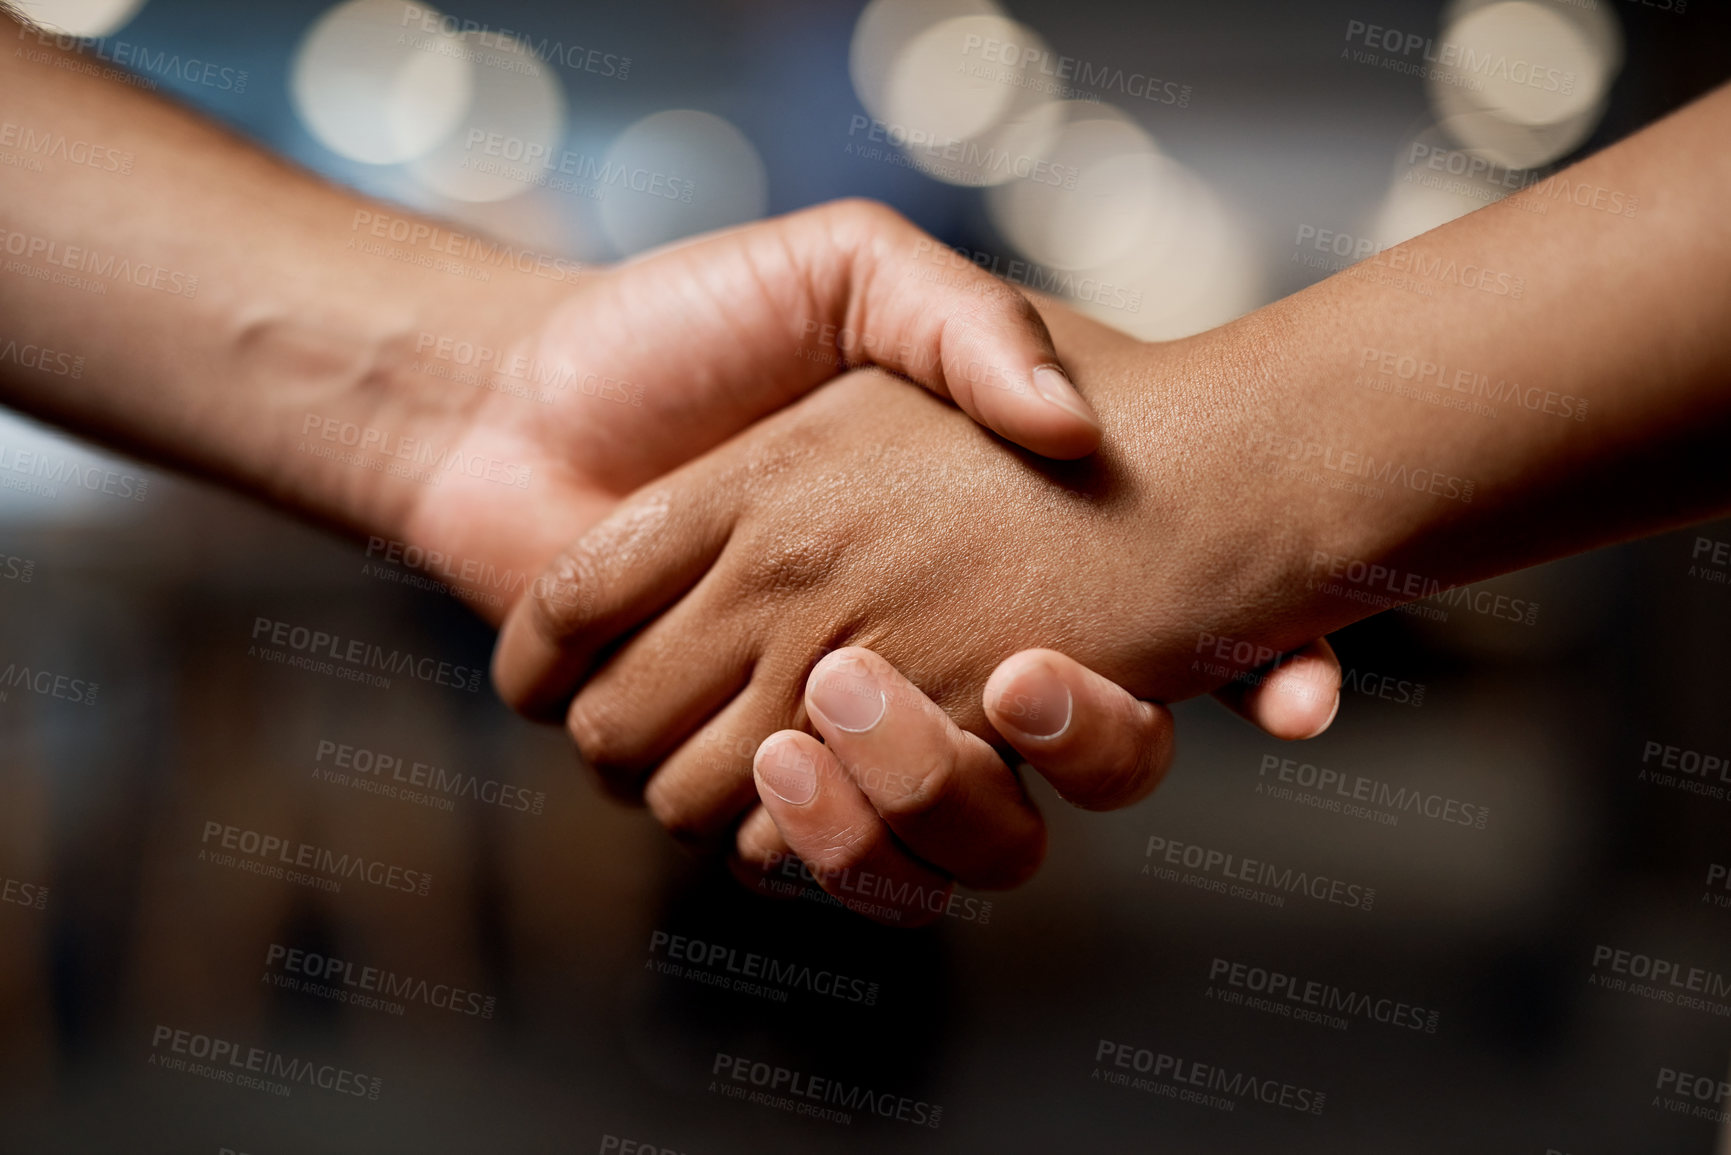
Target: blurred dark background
{"points": [[1263, 123]]}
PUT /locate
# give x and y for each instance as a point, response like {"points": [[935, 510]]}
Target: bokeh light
{"points": [[1527, 81], [371, 88], [1435, 181], [931, 88], [509, 138], [539, 220], [62, 495], [1195, 272], [677, 173], [962, 95], [1149, 246], [1111, 189], [81, 17], [884, 29]]}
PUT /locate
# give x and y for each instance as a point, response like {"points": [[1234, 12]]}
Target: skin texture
{"points": [[708, 337], [294, 328], [871, 516], [1236, 469], [294, 332], [888, 814]]}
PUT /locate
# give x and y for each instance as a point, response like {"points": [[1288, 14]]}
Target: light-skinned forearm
{"points": [[211, 300]]}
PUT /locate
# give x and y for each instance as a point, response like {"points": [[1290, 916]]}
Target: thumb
{"points": [[901, 300]]}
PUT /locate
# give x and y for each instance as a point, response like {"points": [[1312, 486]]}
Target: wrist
{"points": [[370, 389], [1329, 491], [1232, 532]]}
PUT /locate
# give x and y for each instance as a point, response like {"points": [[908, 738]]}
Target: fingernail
{"points": [[1050, 382], [1036, 702], [1329, 721], [789, 772], [847, 694]]}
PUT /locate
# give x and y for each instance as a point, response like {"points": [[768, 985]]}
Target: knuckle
{"points": [[919, 789], [866, 213], [1125, 772], [719, 751], [699, 810], [685, 825], [794, 564], [567, 597], [1015, 860], [758, 842], [990, 301], [601, 738], [835, 851], [562, 601]]}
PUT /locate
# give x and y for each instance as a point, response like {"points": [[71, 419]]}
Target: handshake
{"points": [[803, 607], [823, 531]]}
